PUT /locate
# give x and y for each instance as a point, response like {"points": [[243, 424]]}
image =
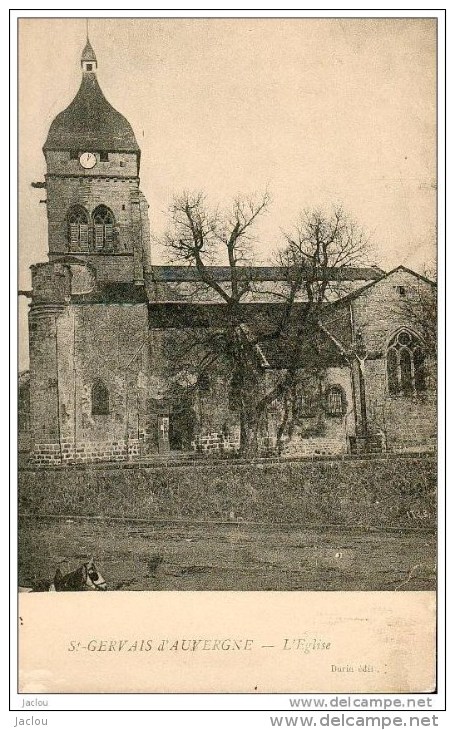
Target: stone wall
{"points": [[72, 346], [119, 191], [121, 164], [407, 422], [71, 350], [44, 399], [110, 267], [325, 434], [23, 413], [85, 452], [386, 491], [65, 192]]}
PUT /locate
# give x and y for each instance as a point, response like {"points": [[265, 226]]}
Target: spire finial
{"points": [[88, 58], [86, 28]]}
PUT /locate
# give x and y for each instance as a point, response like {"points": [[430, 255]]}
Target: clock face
{"points": [[87, 160]]}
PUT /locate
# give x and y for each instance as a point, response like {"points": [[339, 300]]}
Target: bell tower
{"points": [[88, 316], [96, 211], [88, 59]]}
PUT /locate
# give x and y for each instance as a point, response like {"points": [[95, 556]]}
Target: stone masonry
{"points": [[105, 326]]}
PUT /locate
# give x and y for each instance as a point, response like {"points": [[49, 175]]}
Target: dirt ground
{"points": [[189, 557]]}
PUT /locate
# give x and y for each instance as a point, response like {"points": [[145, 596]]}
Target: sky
{"points": [[318, 111]]}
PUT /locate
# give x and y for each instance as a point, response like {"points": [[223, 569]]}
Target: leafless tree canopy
{"points": [[313, 256], [319, 248], [199, 237]]}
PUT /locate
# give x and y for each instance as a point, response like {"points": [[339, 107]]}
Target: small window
{"points": [[306, 405], [335, 401], [401, 290], [104, 156], [74, 154], [100, 399], [89, 66]]}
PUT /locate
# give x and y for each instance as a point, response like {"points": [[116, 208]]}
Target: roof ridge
{"points": [[166, 272], [357, 292]]}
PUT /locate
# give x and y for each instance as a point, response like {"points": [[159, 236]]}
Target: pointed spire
{"points": [[88, 54], [88, 58]]}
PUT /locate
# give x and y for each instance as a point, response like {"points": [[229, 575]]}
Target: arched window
{"points": [[78, 228], [100, 399], [335, 401], [406, 372], [103, 227]]}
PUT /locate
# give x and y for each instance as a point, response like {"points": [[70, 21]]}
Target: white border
{"points": [[213, 703]]}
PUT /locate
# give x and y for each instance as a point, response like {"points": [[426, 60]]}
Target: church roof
{"points": [[258, 273], [358, 292], [90, 122], [113, 293], [260, 321]]}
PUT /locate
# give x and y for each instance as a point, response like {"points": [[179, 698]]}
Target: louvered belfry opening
{"points": [[78, 228], [103, 228], [99, 236]]}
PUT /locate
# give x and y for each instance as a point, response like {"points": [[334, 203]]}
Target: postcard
{"points": [[227, 394]]}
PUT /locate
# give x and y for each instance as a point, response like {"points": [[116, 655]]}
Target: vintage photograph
{"points": [[227, 313]]}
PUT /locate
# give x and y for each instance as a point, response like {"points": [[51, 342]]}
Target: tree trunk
{"points": [[282, 427], [249, 425], [249, 429]]}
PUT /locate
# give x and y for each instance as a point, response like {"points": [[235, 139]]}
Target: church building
{"points": [[103, 322]]}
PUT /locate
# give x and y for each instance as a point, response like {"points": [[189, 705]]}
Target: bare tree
{"points": [[312, 261], [317, 252], [199, 237], [319, 249]]}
